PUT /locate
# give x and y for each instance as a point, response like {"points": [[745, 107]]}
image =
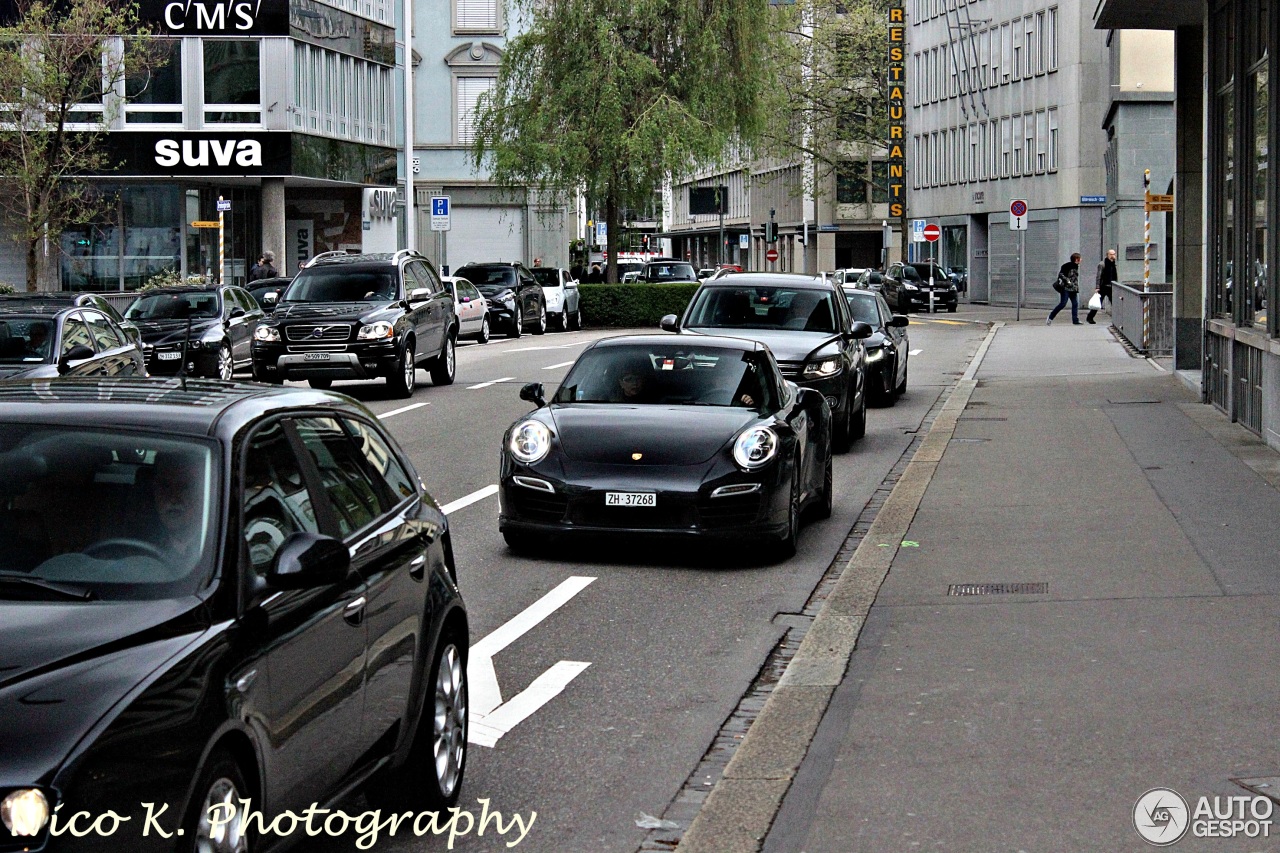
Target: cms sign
{"points": [[214, 17], [380, 204]]}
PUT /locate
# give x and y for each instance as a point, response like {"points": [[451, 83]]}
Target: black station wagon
{"points": [[211, 592]]}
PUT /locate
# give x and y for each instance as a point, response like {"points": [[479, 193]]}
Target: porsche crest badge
{"points": [[636, 457]]}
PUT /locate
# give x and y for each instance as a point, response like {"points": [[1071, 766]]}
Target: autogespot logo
{"points": [[1161, 816]]}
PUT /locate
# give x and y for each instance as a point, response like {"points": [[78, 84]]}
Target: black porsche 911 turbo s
{"points": [[650, 434], [212, 592]]}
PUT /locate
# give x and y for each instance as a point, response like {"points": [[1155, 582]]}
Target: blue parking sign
{"points": [[440, 206]]}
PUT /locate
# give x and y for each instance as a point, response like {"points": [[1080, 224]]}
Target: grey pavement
{"points": [[1034, 721]]}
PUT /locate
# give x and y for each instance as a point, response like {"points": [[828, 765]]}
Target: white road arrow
{"points": [[491, 718]]}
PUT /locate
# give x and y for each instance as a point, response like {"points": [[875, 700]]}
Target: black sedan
{"points": [[211, 592], [650, 435], [805, 322], [211, 327], [266, 292], [888, 348], [41, 340]]}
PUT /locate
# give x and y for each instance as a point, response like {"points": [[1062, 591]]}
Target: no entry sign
{"points": [[771, 255], [932, 233]]}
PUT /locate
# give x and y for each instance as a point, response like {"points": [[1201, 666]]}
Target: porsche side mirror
{"points": [[237, 311], [308, 560], [900, 320], [809, 398], [77, 353], [532, 393], [860, 330], [670, 323]]}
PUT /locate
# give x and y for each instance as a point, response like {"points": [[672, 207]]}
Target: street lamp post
{"points": [[410, 229]]}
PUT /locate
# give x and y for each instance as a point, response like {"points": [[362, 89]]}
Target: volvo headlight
{"points": [[376, 331], [530, 442], [755, 447], [24, 812], [822, 369], [875, 354], [266, 334]]}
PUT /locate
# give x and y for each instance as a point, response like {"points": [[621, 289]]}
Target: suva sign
{"points": [[211, 15], [208, 152]]}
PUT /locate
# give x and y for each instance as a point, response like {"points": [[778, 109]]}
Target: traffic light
{"points": [[770, 232]]}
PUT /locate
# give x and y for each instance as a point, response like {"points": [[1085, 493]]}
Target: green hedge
{"points": [[632, 306]]}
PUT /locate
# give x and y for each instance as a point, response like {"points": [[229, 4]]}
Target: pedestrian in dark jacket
{"points": [[595, 276], [1068, 287], [264, 268], [1106, 276]]}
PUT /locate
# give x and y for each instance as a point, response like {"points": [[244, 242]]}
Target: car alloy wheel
{"points": [[226, 365], [902, 386], [405, 377], [445, 367], [449, 725], [826, 498], [859, 428], [484, 330], [223, 784], [575, 320], [517, 326], [541, 328], [786, 546]]}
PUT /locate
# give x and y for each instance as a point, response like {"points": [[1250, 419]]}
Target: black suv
{"points": [[360, 317], [906, 285], [508, 285]]}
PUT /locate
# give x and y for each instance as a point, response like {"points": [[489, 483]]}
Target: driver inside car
{"points": [[174, 487]]}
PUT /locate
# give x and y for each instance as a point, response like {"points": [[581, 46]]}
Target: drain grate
{"points": [[998, 589]]}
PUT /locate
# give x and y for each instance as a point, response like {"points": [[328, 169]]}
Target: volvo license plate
{"points": [[168, 356], [316, 356], [630, 499]]}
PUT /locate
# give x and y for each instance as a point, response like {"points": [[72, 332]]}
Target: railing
{"points": [[1144, 319]]}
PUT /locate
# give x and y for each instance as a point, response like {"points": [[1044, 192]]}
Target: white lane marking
{"points": [[487, 730], [475, 496], [554, 366], [485, 694], [402, 410], [557, 346], [487, 384], [915, 352]]}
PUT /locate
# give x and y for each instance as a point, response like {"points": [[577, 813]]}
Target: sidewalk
{"points": [[1034, 720]]}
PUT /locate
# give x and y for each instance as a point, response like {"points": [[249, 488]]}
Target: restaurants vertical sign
{"points": [[896, 144]]}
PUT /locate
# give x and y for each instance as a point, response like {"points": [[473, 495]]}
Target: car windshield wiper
{"points": [[61, 590]]}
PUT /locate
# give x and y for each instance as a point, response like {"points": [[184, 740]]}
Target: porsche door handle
{"points": [[418, 567], [354, 610]]}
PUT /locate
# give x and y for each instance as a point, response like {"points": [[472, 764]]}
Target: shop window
{"points": [[467, 92], [1263, 293], [155, 96], [233, 82]]}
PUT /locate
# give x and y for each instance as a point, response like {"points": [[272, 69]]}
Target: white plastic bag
{"points": [[1095, 302]]}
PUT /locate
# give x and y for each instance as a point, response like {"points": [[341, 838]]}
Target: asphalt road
{"points": [[670, 641]]}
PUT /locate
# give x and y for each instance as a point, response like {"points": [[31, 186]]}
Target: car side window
{"points": [[395, 482], [74, 333], [276, 501], [347, 486], [427, 274], [412, 281], [244, 300], [104, 333]]}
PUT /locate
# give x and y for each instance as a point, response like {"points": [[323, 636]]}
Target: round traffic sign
{"points": [[1018, 207], [771, 255], [932, 233]]}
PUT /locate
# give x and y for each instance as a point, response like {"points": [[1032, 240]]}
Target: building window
{"points": [[1051, 40], [232, 82], [1029, 136], [476, 16], [915, 78], [1006, 147], [1260, 257], [156, 97], [1006, 52], [467, 92], [1018, 67], [1041, 51], [1042, 141], [1053, 139], [1017, 146]]}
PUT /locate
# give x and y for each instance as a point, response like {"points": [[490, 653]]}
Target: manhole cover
{"points": [[998, 589]]}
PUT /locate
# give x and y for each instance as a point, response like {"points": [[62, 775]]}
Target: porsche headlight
{"points": [[376, 331], [530, 442], [822, 369], [755, 447], [876, 354], [24, 812], [266, 334], [906, 285]]}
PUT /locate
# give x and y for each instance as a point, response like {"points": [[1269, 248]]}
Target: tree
{"points": [[62, 69], [611, 97]]}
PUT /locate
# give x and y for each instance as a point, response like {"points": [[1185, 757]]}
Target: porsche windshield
{"points": [[88, 513], [670, 376], [764, 308], [175, 306]]}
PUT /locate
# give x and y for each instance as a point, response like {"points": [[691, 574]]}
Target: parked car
{"points": [[906, 285], [515, 298], [471, 307], [631, 277], [870, 280], [805, 322], [267, 292], [706, 272], [687, 437], [79, 297], [40, 339], [201, 331], [960, 278], [560, 291], [847, 277], [888, 348], [361, 317], [214, 592], [668, 272]]}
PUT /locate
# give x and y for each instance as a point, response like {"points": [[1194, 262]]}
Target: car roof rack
{"points": [[332, 253]]}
